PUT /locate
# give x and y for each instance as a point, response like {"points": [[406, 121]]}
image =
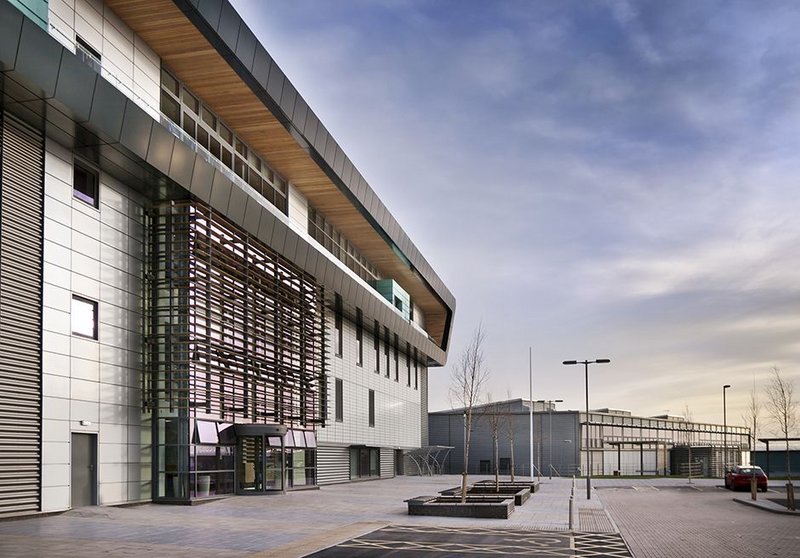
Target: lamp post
{"points": [[586, 364], [550, 434], [725, 427], [530, 411]]}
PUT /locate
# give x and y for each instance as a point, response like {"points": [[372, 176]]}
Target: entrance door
{"points": [[259, 466], [84, 470]]}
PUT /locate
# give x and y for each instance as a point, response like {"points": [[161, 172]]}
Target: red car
{"points": [[740, 475]]}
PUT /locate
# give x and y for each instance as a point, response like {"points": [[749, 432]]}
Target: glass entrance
{"points": [[259, 466]]}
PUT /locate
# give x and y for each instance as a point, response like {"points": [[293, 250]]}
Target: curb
{"points": [[766, 506]]}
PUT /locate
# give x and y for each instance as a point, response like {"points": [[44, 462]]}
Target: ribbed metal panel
{"points": [[423, 415], [21, 207], [333, 464], [387, 462]]}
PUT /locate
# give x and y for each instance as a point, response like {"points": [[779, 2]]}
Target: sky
{"points": [[602, 179]]}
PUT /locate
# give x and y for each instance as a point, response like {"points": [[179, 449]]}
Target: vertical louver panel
{"points": [[21, 206]]}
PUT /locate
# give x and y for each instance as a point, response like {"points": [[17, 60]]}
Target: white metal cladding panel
{"points": [[387, 462], [333, 464], [21, 207], [423, 417]]}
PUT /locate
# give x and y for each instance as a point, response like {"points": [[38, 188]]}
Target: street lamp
{"points": [[586, 364], [725, 427], [550, 435]]}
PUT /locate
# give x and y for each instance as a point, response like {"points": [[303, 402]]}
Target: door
{"points": [[84, 470]]}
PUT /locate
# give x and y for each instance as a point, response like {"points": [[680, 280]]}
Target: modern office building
{"points": [[617, 441], [199, 292]]}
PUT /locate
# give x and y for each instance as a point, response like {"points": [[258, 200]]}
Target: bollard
{"points": [[571, 507], [790, 496], [753, 487]]}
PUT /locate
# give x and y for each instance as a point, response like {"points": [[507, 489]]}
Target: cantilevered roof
{"points": [[208, 46]]}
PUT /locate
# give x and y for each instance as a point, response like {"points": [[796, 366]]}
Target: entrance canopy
{"points": [[259, 429]]}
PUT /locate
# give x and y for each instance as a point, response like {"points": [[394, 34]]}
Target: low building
{"points": [[564, 443]]}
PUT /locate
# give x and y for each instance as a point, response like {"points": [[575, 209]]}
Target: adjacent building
{"points": [[565, 443], [199, 292]]}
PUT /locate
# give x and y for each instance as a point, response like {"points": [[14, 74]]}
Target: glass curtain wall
{"points": [[235, 335]]}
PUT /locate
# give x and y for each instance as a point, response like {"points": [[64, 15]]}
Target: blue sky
{"points": [[592, 179]]}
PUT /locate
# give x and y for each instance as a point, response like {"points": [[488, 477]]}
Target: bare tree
{"points": [[494, 414], [687, 414], [782, 407], [467, 383], [752, 417], [508, 428]]}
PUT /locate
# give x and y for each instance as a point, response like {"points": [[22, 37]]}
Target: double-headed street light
{"points": [[586, 364], [725, 428]]}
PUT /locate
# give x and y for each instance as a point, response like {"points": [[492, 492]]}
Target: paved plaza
{"points": [[652, 518]]}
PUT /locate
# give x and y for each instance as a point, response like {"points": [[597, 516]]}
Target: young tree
{"points": [[508, 428], [494, 416], [687, 414], [467, 383], [782, 407], [752, 418]]}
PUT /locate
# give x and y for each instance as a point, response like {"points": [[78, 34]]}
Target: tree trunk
{"points": [[512, 460], [496, 465]]}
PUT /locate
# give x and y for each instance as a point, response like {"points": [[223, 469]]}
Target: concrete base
{"points": [[487, 507]]}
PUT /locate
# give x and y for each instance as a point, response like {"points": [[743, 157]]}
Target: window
{"points": [[359, 337], [87, 54], [416, 370], [377, 338], [372, 407], [396, 360], [386, 349], [338, 325], [84, 317], [408, 364], [85, 183], [339, 400]]}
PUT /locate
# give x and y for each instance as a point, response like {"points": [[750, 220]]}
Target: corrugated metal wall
{"points": [[387, 462], [423, 415], [333, 464], [21, 213]]}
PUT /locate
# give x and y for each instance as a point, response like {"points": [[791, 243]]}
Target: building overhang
{"points": [[211, 50], [48, 87]]}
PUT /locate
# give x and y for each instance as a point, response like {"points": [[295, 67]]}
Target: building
{"points": [[618, 442], [199, 292]]}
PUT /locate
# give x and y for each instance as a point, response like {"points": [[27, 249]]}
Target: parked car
{"points": [[740, 475]]}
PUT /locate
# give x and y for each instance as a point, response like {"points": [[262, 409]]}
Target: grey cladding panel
{"points": [[220, 192], [38, 58], [299, 114], [266, 226], [310, 129], [182, 163], [229, 23], [237, 205], [278, 239], [10, 30], [159, 151], [275, 83], [246, 46], [261, 63], [75, 86], [290, 248], [252, 215], [338, 161], [210, 10], [136, 127], [202, 180], [288, 97], [108, 109]]}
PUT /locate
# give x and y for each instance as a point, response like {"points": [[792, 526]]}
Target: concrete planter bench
{"points": [[484, 506], [533, 485], [520, 494]]}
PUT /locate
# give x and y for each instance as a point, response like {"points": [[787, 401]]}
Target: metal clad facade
{"points": [[333, 464], [387, 462], [21, 210]]}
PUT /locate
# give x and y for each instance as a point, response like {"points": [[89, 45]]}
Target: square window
{"points": [[84, 317], [85, 184]]}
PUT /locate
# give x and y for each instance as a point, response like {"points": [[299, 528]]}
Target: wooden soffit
{"points": [[198, 64]]}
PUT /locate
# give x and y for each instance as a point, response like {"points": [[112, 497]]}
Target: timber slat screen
{"points": [[237, 331]]}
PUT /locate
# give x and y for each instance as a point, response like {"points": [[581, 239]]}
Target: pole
{"points": [[550, 438], [725, 428], [588, 453], [530, 386]]}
